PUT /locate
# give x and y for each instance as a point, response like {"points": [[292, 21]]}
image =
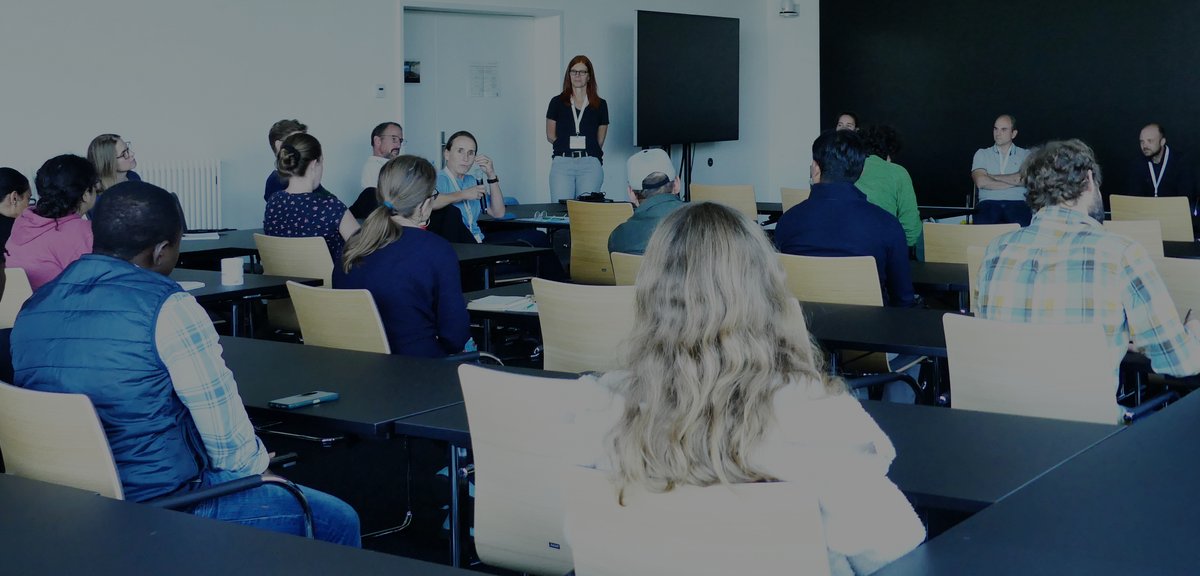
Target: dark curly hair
{"points": [[61, 183], [1057, 173]]}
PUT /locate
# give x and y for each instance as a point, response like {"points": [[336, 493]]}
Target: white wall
{"points": [[206, 79]]}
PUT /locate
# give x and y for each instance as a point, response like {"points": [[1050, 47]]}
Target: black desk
{"points": [[253, 287], [1181, 249], [773, 210], [939, 276], [1127, 506], [51, 529], [231, 244], [523, 217], [916, 331], [375, 389]]}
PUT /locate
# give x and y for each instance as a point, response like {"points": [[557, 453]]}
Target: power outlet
{"points": [[381, 91]]}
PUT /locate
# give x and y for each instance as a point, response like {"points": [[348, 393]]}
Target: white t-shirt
{"points": [[370, 171]]}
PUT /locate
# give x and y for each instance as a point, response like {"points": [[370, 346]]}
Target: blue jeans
{"points": [[273, 508], [570, 177], [1003, 212]]}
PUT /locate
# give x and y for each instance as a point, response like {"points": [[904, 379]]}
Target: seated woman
{"points": [[411, 273], [725, 386], [304, 210], [113, 159], [53, 234], [14, 199]]}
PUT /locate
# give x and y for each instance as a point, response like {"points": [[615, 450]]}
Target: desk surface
{"points": [[1127, 506], [252, 286], [947, 459], [490, 253], [775, 210], [939, 276], [52, 529], [375, 389]]}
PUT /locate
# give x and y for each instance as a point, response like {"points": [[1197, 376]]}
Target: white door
{"points": [[476, 75]]}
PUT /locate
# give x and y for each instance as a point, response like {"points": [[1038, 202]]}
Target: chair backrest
{"points": [[764, 528], [974, 263], [1148, 233], [346, 319], [1061, 371], [740, 197], [16, 292], [625, 267], [591, 225], [948, 242], [836, 280], [792, 196], [1182, 277], [1172, 211], [583, 327], [519, 468], [299, 257], [56, 438]]}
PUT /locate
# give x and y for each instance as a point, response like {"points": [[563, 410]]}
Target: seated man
{"points": [[1064, 268], [656, 195], [115, 327], [838, 220]]}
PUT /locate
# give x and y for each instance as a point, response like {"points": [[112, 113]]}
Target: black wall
{"points": [[940, 72]]}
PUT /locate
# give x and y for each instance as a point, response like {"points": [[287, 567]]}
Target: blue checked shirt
{"points": [[1065, 269], [187, 344]]}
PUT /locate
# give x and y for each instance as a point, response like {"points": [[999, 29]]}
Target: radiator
{"points": [[198, 185]]}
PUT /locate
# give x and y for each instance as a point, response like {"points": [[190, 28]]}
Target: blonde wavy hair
{"points": [[405, 183], [102, 152], [717, 334]]}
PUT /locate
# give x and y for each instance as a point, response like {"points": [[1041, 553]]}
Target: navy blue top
{"points": [[837, 220], [133, 176], [416, 285], [589, 125], [275, 183], [316, 213]]}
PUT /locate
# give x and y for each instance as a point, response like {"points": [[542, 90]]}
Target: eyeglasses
{"points": [[128, 153], [579, 72], [435, 195], [394, 139]]}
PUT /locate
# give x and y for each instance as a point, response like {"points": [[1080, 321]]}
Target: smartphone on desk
{"points": [[301, 400]]}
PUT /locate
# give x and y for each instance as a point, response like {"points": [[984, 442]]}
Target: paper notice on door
{"points": [[485, 80]]}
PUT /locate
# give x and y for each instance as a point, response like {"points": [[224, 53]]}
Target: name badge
{"points": [[578, 142]]}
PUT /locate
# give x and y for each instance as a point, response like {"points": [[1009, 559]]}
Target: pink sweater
{"points": [[43, 247]]}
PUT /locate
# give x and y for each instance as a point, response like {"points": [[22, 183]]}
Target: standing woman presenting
{"points": [[576, 124]]}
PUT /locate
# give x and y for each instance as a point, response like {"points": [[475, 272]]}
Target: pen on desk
{"points": [[1187, 316]]}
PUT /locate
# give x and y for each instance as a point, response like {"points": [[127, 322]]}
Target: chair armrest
{"points": [[1147, 406], [283, 461], [181, 501], [858, 382], [474, 357]]}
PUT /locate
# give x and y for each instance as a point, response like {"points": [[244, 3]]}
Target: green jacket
{"points": [[889, 186]]}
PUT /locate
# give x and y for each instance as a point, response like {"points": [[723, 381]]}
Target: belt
{"points": [[574, 154]]}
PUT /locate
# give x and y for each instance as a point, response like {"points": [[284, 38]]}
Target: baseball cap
{"points": [[647, 162]]}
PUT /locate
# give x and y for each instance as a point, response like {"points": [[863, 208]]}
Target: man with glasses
{"points": [[386, 140]]}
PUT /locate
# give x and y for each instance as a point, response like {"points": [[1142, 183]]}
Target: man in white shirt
{"points": [[386, 140]]}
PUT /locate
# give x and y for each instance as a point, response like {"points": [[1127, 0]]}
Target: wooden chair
{"points": [[763, 528], [625, 267], [1061, 371], [948, 242], [583, 327], [1182, 277], [297, 257], [16, 292], [58, 438], [591, 225], [1172, 211], [846, 280], [790, 197], [1148, 233], [346, 319], [739, 197], [974, 263], [519, 469]]}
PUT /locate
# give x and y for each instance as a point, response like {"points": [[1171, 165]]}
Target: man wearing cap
{"points": [[654, 191]]}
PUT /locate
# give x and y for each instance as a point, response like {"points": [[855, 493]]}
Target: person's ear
{"points": [[157, 256], [675, 186]]}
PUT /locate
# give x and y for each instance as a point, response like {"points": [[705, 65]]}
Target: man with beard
{"points": [[1064, 268], [386, 140], [1162, 171]]}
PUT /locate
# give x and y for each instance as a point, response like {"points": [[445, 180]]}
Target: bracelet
{"points": [[493, 180]]}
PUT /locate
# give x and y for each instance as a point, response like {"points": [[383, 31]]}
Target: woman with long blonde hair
{"points": [[114, 160], [411, 273], [725, 386]]}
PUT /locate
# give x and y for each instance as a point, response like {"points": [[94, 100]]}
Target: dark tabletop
{"points": [[491, 253], [939, 276], [775, 210], [877, 328], [1127, 506], [253, 285], [51, 529], [1181, 249], [375, 389], [522, 217], [232, 243]]}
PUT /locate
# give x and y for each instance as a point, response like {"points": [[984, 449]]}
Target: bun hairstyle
{"points": [[405, 183], [296, 153], [61, 182]]}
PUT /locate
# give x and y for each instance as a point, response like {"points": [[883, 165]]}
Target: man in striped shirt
{"points": [[1064, 268]]}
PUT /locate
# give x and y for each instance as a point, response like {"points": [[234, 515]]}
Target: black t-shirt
{"points": [[589, 125]]}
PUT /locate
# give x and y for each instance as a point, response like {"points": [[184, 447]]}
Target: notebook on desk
{"points": [[503, 304]]}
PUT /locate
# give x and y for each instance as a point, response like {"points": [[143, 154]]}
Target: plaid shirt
{"points": [[1065, 269], [187, 344]]}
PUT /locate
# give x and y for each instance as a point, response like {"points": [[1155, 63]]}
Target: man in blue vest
{"points": [[115, 327]]}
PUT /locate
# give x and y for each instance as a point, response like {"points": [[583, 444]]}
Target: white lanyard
{"points": [[578, 117], [1156, 179], [466, 210]]}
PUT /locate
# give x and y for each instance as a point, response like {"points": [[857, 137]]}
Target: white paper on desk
{"points": [[504, 304], [190, 284], [202, 236]]}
